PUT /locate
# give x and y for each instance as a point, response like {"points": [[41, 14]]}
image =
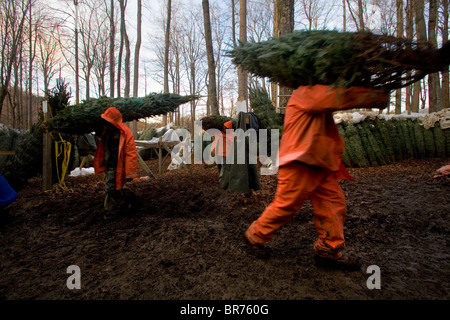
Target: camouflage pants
{"points": [[116, 201]]}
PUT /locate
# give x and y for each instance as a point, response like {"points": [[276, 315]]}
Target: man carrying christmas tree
{"points": [[116, 155], [310, 162]]}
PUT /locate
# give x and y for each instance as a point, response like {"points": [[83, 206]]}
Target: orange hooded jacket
{"points": [[310, 134], [127, 158]]}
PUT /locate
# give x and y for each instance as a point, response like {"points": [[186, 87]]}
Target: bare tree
{"points": [[212, 90], [219, 21], [77, 70], [112, 46], [92, 38], [419, 20], [389, 16], [344, 16], [362, 26], [101, 61], [400, 12], [242, 73], [285, 21], [409, 26], [127, 87], [434, 88], [316, 12], [13, 17], [166, 52], [274, 86], [30, 71], [49, 58], [362, 14], [124, 42], [193, 53], [233, 23], [136, 59], [137, 49], [259, 26], [445, 73]]}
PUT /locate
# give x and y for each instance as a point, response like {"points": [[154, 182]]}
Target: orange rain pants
{"points": [[298, 182], [310, 162]]}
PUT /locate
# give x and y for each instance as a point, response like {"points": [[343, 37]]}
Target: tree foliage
{"points": [[340, 59], [86, 116]]}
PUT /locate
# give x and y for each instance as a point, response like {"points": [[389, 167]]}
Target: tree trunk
{"points": [[409, 35], [10, 43], [233, 23], [273, 85], [285, 22], [398, 92], [122, 44], [362, 26], [421, 36], [344, 16], [445, 72], [88, 87], [434, 89], [77, 72], [112, 38], [136, 59], [242, 73], [166, 53], [212, 90], [127, 87], [30, 78]]}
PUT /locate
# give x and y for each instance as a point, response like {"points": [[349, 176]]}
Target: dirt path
{"points": [[185, 240]]}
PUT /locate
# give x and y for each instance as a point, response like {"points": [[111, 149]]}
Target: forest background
{"points": [[124, 48]]}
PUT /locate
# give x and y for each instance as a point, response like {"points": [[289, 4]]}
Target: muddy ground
{"points": [[184, 241]]}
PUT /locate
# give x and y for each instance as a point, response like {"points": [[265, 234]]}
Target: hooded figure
{"points": [[116, 155], [221, 146], [310, 163], [242, 177]]}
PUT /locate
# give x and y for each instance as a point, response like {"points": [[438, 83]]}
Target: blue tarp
{"points": [[7, 194]]}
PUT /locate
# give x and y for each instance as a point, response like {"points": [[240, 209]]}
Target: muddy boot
{"points": [[258, 251], [328, 257]]}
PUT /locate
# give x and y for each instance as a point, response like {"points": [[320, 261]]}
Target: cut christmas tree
{"points": [[340, 59], [85, 117], [216, 122]]}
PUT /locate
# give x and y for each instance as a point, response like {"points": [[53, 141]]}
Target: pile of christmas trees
{"points": [[86, 116], [374, 142], [341, 59], [27, 160], [262, 106]]}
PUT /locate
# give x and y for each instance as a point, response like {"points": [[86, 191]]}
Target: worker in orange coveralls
{"points": [[220, 145], [116, 155], [310, 163]]}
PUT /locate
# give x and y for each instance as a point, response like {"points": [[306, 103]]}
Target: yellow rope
{"points": [[62, 148]]}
